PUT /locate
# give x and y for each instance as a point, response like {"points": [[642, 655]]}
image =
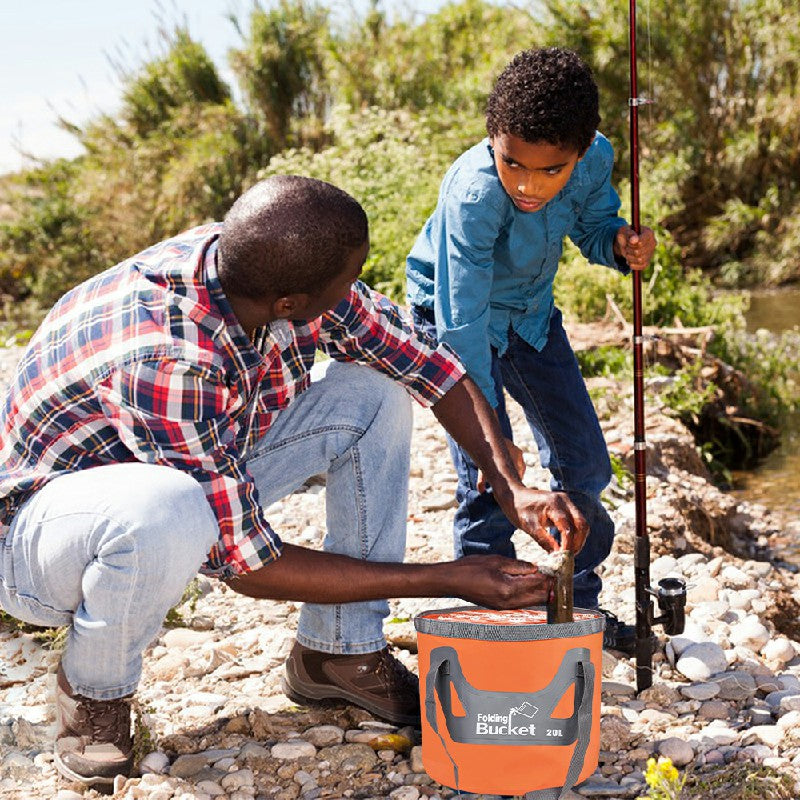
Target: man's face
{"points": [[338, 288], [532, 174]]}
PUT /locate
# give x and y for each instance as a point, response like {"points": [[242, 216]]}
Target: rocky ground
{"points": [[212, 721]]}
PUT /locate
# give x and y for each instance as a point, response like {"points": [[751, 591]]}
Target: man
{"points": [[164, 403]]}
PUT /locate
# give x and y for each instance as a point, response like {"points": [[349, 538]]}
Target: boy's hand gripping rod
{"points": [[671, 592]]}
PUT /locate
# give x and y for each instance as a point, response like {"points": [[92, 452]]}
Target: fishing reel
{"points": [[671, 598]]}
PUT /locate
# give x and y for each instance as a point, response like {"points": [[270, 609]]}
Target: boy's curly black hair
{"points": [[545, 95]]}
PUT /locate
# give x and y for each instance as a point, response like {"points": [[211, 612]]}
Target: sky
{"points": [[55, 59]]}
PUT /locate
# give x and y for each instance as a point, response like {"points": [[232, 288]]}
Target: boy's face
{"points": [[532, 173]]}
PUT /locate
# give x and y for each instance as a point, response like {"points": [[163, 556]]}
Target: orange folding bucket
{"points": [[510, 704]]}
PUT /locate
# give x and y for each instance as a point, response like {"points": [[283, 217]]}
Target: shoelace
{"points": [[394, 674]]}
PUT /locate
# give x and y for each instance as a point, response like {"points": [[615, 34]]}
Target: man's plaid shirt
{"points": [[146, 362]]}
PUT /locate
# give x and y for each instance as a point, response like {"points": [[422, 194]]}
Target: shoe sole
{"points": [[316, 696], [86, 780]]}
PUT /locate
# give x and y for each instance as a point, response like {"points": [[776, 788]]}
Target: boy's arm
{"points": [[464, 273]]}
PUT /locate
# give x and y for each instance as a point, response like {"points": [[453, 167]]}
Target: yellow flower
{"points": [[666, 768]]}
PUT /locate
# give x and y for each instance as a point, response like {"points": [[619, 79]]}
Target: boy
{"points": [[480, 278]]}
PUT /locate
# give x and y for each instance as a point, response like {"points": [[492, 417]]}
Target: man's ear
{"points": [[290, 306]]}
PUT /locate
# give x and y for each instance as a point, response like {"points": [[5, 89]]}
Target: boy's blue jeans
{"points": [[107, 551], [549, 387]]}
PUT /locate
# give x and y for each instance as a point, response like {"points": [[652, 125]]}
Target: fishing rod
{"points": [[671, 592]]}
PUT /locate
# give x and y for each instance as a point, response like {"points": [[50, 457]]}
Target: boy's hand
{"points": [[636, 248], [516, 457]]}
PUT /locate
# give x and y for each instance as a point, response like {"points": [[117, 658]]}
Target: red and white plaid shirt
{"points": [[147, 362]]}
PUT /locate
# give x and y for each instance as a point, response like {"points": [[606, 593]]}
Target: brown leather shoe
{"points": [[93, 743], [376, 681]]}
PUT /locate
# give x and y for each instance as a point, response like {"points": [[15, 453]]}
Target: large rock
{"points": [[701, 660], [660, 695], [750, 633], [736, 685], [714, 709], [770, 735], [615, 733], [705, 590], [679, 751], [692, 633], [779, 650]]}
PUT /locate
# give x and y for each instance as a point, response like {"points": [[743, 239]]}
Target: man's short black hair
{"points": [[286, 235], [545, 95]]}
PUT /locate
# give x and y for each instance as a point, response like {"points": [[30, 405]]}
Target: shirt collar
{"points": [[230, 329]]}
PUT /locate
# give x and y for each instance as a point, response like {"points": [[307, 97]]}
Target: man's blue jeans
{"points": [[549, 387], [107, 551]]}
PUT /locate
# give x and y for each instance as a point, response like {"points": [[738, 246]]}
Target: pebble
{"points": [[700, 691], [324, 735], [714, 709], [349, 757], [237, 780], [293, 750], [211, 788], [156, 762], [187, 765], [405, 793], [615, 733]]}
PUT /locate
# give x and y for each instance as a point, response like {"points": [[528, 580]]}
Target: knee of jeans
{"points": [[601, 534], [596, 475], [173, 524]]}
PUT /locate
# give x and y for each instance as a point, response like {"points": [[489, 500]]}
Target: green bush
{"points": [[392, 162], [47, 244]]}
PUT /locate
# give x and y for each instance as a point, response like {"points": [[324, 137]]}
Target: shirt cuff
{"points": [[441, 371]]}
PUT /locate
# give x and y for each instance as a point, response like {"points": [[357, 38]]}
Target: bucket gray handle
{"points": [[576, 668]]}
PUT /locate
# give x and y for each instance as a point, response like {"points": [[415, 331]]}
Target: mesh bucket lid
{"points": [[523, 624]]}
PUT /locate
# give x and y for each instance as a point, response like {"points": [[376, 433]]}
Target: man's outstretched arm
{"points": [[312, 576], [467, 416]]}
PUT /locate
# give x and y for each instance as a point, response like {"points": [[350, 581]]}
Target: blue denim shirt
{"points": [[483, 265]]}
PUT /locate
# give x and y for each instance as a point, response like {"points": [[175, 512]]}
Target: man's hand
{"points": [[535, 512], [636, 248], [499, 582], [516, 457]]}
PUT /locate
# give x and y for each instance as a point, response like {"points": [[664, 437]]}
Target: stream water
{"points": [[776, 481]]}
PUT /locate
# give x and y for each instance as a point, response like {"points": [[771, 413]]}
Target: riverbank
{"points": [[726, 694], [773, 482]]}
